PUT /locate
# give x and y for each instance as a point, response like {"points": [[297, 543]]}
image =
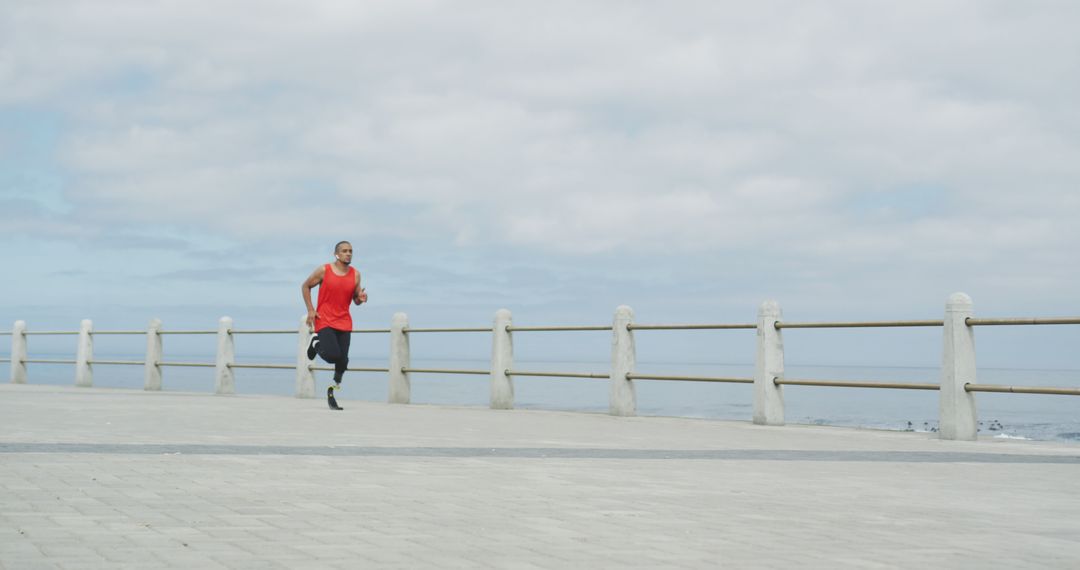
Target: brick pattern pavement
{"points": [[104, 507]]}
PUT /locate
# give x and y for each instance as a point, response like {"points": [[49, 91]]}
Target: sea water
{"points": [[1028, 416]]}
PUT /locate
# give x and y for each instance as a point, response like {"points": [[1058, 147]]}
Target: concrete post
{"points": [[957, 418], [225, 379], [152, 366], [18, 353], [769, 365], [84, 355], [623, 400], [502, 359], [400, 386], [305, 377]]}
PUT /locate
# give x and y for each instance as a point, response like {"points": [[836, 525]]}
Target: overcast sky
{"points": [[852, 160]]}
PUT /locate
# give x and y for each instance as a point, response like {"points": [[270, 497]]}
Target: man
{"points": [[338, 283]]}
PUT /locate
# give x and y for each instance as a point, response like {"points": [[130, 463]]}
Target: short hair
{"points": [[338, 245]]}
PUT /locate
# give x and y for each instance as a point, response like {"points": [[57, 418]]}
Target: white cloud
{"points": [[787, 132]]}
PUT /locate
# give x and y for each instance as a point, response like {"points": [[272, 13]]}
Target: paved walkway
{"points": [[105, 478]]}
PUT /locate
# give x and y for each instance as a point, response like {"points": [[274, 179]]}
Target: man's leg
{"points": [[330, 350], [344, 338], [328, 346]]}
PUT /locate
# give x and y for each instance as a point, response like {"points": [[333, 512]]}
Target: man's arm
{"points": [[360, 295], [310, 283]]}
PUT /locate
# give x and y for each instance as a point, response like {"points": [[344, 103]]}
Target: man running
{"points": [[338, 283]]}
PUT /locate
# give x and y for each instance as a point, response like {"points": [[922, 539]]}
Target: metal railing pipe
{"points": [[447, 330], [444, 371], [857, 384], [189, 364], [558, 374], [95, 333], [634, 327], [266, 366], [691, 378], [187, 332], [119, 362], [858, 324], [257, 331], [1022, 389], [558, 328], [51, 333], [974, 322], [48, 361], [349, 369]]}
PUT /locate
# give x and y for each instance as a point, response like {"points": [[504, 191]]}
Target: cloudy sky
{"points": [[853, 160]]}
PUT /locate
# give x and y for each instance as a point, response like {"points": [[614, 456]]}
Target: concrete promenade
{"points": [[106, 478]]}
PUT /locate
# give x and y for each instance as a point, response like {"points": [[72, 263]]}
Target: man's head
{"points": [[343, 252]]}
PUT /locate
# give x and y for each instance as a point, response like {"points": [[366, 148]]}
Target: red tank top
{"points": [[335, 294]]}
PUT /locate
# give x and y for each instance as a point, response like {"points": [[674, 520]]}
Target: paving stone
{"points": [[95, 478]]}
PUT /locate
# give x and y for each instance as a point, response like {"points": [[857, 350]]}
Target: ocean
{"points": [[1021, 416]]}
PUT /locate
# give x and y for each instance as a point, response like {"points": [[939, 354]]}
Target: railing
{"points": [[957, 386], [780, 380]]}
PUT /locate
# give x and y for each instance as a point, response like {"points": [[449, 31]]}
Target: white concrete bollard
{"points": [[958, 417], [84, 355], [18, 353], [224, 378], [502, 359], [623, 400], [768, 366], [400, 386], [152, 365], [305, 376]]}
